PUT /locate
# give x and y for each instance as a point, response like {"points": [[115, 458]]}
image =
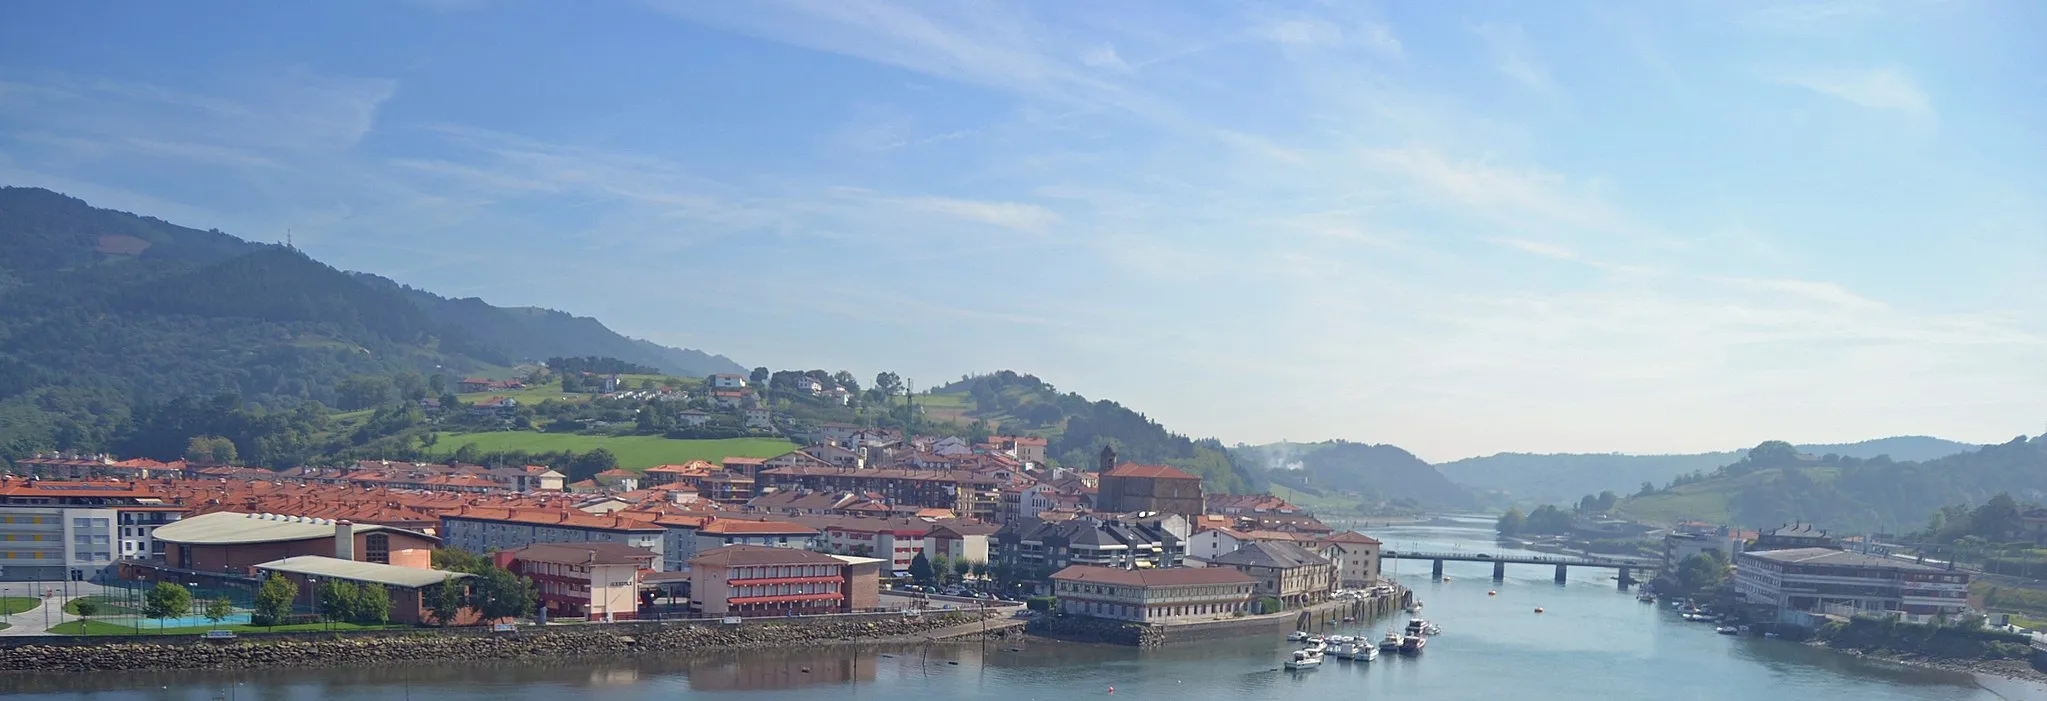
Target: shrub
{"points": [[1043, 604]]}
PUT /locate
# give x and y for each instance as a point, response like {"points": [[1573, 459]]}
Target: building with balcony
{"points": [[1288, 572], [755, 580], [1148, 595], [589, 581]]}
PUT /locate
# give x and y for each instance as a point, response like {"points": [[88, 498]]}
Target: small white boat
{"points": [[1297, 636], [1391, 642], [1343, 651], [1366, 652], [1305, 659], [1727, 630]]}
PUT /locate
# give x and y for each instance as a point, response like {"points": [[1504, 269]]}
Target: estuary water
{"points": [[1592, 642]]}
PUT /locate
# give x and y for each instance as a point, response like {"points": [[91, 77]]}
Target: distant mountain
{"points": [[533, 333], [1775, 483], [102, 312], [1564, 477], [1375, 472]]}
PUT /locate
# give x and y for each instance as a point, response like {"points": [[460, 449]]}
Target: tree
{"points": [[446, 603], [960, 568], [1702, 572], [219, 609], [167, 600], [888, 383], [980, 569], [1511, 523], [920, 569], [86, 609], [502, 594], [1647, 489], [210, 450], [758, 377], [273, 601], [587, 465], [941, 568], [372, 605], [977, 432], [339, 600], [363, 392], [1996, 519], [846, 382]]}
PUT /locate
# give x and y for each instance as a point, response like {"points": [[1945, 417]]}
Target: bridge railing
{"points": [[1522, 559]]}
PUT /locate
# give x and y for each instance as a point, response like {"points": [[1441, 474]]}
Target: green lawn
{"points": [[105, 628], [634, 452], [17, 604]]}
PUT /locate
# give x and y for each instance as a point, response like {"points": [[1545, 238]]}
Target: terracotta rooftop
{"points": [[1131, 469]]}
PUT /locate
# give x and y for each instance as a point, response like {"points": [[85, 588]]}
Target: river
{"points": [[1591, 642]]}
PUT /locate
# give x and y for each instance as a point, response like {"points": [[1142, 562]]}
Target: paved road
{"points": [[36, 621]]}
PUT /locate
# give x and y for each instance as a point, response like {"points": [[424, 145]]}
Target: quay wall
{"points": [[1151, 635], [291, 650]]}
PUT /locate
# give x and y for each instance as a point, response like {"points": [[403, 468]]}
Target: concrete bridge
{"points": [[1627, 565]]}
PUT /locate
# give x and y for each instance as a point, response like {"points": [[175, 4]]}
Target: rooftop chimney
{"points": [[344, 540]]}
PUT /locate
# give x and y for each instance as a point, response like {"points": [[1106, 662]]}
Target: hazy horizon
{"points": [[1462, 230]]}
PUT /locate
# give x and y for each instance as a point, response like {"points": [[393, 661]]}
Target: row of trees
{"points": [[945, 570], [1544, 520]]}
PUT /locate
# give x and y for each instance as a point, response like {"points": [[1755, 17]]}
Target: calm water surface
{"points": [[1592, 643]]}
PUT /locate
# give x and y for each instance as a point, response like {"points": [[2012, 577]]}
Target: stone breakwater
{"points": [[431, 646]]}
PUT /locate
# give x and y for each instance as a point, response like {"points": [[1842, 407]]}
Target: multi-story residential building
{"points": [[1087, 540], [1824, 580], [590, 581], [1355, 555], [1295, 575], [52, 530], [1678, 546], [754, 580], [1148, 595], [1131, 487], [728, 381], [959, 541], [720, 532], [481, 529], [963, 492], [895, 541]]}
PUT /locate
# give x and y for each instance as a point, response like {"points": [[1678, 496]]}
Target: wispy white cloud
{"points": [[1016, 216], [1104, 56], [1875, 88], [1515, 56]]}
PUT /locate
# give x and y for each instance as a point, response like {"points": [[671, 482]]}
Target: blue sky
{"points": [[1458, 227]]}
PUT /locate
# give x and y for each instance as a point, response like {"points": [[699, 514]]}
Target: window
{"points": [[377, 548]]}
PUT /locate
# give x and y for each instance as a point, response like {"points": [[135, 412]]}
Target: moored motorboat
{"points": [[1727, 630], [1305, 659], [1392, 641], [1366, 652], [1297, 636], [1412, 644]]}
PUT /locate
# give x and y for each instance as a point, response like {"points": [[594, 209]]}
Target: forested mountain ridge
{"points": [[1775, 482], [1563, 477], [1373, 473], [105, 312], [533, 332]]}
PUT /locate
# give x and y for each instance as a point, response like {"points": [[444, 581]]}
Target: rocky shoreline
{"points": [[2020, 670], [566, 642]]}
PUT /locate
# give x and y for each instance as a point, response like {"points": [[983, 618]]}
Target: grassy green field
{"points": [[634, 452], [104, 628], [17, 604]]}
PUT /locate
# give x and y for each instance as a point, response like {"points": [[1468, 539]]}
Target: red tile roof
{"points": [[1131, 469]]}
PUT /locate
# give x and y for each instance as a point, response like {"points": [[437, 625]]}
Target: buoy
{"points": [[1538, 609], [1111, 689], [1492, 593]]}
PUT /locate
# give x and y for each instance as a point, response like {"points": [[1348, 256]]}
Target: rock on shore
{"points": [[433, 646]]}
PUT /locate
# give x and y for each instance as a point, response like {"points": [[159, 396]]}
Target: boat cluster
{"points": [[1696, 614], [1359, 648]]}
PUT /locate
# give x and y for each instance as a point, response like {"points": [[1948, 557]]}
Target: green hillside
{"points": [[1776, 483], [1078, 428], [633, 452], [1563, 477], [107, 319]]}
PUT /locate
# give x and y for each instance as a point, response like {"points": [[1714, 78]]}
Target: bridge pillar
{"points": [[1499, 570], [1560, 573], [1436, 570], [1627, 577]]}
